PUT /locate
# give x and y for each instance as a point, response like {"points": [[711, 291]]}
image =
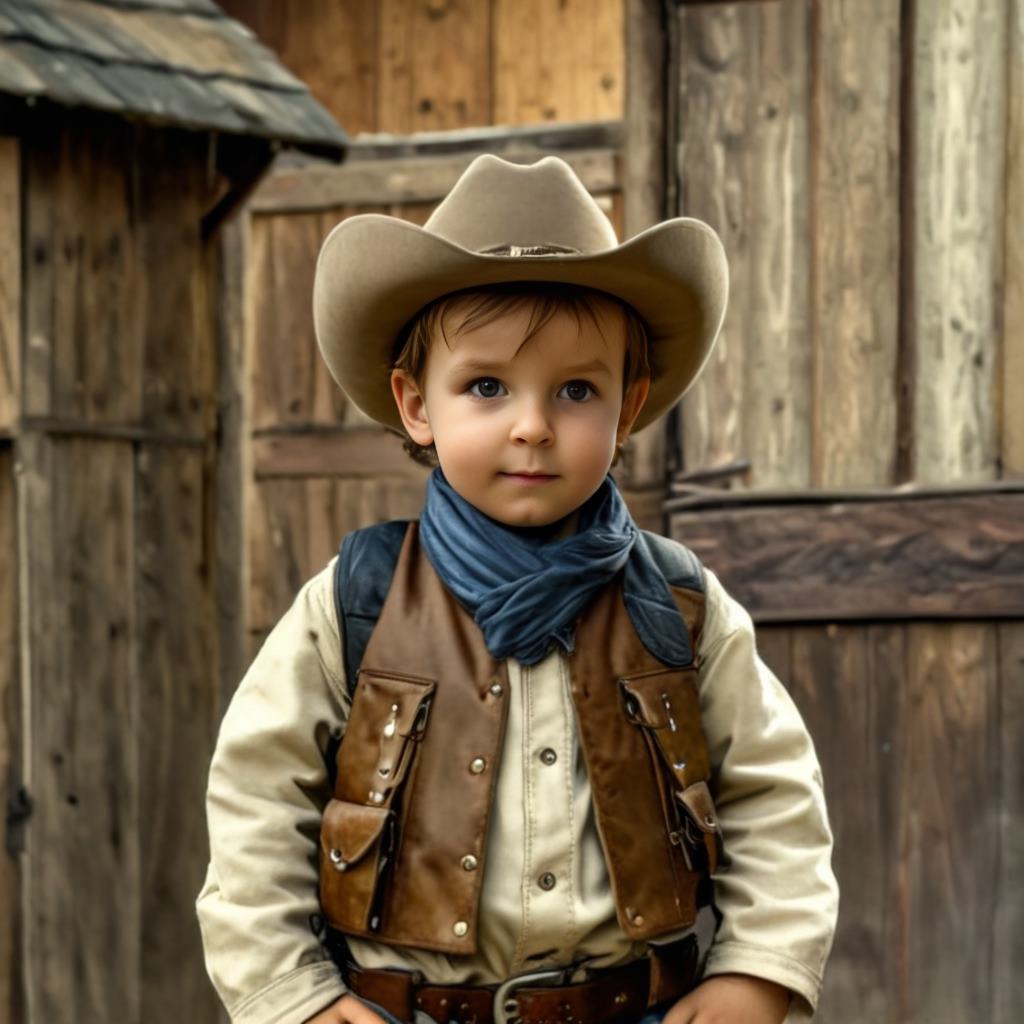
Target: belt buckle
{"points": [[506, 1007]]}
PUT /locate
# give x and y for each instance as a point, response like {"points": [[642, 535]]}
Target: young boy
{"points": [[557, 742]]}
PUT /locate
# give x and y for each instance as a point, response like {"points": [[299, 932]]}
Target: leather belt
{"points": [[615, 995]]}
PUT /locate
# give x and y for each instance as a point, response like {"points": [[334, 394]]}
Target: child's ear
{"points": [[411, 407], [632, 402]]}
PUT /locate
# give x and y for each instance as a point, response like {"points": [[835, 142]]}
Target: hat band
{"points": [[530, 250]]}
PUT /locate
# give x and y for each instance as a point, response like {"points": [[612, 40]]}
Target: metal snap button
{"points": [[477, 765], [546, 881], [460, 928], [548, 756], [469, 862], [497, 689]]}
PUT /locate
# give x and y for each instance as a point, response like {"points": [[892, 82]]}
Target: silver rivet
{"points": [[546, 881], [548, 756], [477, 765], [620, 998], [638, 920], [497, 689], [460, 928], [336, 857], [709, 820], [469, 862], [377, 798]]}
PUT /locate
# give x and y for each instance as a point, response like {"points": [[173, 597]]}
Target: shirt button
{"points": [[477, 765], [469, 862], [546, 881], [497, 689], [548, 756], [460, 928]]}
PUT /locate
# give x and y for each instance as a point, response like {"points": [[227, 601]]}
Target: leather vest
{"points": [[404, 840]]}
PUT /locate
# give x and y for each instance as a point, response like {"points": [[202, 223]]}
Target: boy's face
{"points": [[524, 432]]}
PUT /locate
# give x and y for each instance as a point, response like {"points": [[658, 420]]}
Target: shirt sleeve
{"points": [[776, 892], [258, 909]]}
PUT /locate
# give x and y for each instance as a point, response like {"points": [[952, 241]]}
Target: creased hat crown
{"points": [[496, 204]]}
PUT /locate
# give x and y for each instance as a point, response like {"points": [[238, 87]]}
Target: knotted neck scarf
{"points": [[523, 590]]}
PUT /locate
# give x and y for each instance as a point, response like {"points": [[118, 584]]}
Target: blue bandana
{"points": [[524, 591]]}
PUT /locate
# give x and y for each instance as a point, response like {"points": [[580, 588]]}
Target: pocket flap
{"points": [[699, 806], [396, 706], [660, 700], [349, 831]]}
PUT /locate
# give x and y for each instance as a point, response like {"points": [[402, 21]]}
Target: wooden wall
{"points": [[871, 209], [109, 704], [405, 66]]}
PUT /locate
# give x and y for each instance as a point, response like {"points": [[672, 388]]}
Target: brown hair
{"points": [[486, 304]]}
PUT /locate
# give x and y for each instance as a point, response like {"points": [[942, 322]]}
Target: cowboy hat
{"points": [[506, 222]]}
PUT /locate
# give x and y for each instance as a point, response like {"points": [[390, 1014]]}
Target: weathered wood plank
{"points": [[424, 179], [179, 358], [959, 114], [434, 62], [557, 61], [956, 557], [11, 749], [84, 286], [290, 383], [10, 282], [855, 240], [950, 822], [178, 712], [1012, 391], [848, 683], [81, 864], [777, 380], [717, 49], [1008, 937], [232, 471], [341, 452]]}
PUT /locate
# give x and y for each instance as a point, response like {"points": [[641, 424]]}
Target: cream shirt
{"points": [[268, 786]]}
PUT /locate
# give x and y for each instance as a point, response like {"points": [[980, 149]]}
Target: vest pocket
{"points": [[665, 705], [359, 834], [356, 844]]}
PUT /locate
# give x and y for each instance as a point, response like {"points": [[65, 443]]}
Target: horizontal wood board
{"points": [[954, 557]]}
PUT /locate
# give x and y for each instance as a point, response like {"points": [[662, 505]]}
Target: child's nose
{"points": [[532, 425]]}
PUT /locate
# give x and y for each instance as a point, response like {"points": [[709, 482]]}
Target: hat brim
{"points": [[374, 273]]}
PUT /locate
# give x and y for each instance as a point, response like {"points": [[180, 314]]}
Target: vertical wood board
{"points": [[1012, 384], [10, 282], [84, 283], [847, 682], [558, 60], [178, 713], [11, 748], [434, 65], [855, 240], [81, 867], [959, 120], [950, 821]]}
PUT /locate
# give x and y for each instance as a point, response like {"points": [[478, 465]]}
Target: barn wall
{"points": [[405, 66], [113, 434], [873, 335]]}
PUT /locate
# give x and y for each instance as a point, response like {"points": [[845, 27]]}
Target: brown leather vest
{"points": [[404, 841]]}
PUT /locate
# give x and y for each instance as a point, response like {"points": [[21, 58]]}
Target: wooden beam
{"points": [[944, 556], [327, 452], [418, 179]]}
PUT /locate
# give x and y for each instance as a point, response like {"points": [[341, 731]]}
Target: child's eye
{"points": [[576, 391], [487, 387]]}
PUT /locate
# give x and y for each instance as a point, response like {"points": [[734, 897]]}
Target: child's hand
{"points": [[732, 999], [347, 1010]]}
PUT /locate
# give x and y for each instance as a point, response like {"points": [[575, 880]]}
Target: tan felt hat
{"points": [[505, 222]]}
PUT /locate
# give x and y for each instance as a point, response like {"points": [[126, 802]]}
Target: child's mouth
{"points": [[529, 479]]}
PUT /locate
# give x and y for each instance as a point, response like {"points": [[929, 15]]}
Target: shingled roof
{"points": [[176, 62]]}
